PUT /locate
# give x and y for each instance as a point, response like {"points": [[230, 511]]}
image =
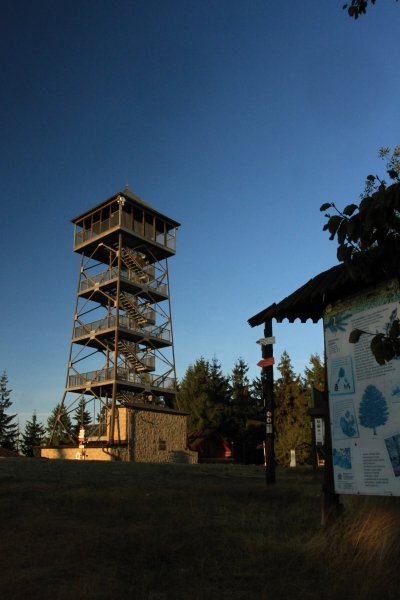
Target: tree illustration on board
{"points": [[373, 411]]}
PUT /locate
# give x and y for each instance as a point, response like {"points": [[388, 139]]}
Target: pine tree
{"points": [[257, 395], [292, 423], [33, 436], [247, 417], [218, 383], [240, 407], [59, 429], [8, 429], [202, 393], [192, 396], [314, 375], [82, 416], [240, 384]]}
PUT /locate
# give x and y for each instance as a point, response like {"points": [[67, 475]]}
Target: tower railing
{"points": [[123, 374], [112, 273], [97, 229], [160, 332], [147, 232]]}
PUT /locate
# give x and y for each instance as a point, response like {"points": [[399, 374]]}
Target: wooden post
{"points": [[331, 506], [267, 378]]}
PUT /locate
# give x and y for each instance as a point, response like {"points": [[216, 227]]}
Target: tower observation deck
{"points": [[121, 351]]}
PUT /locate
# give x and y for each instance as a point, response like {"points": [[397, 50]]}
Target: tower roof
{"points": [[134, 199]]}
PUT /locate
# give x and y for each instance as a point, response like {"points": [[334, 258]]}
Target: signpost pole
{"points": [[331, 506], [267, 378]]}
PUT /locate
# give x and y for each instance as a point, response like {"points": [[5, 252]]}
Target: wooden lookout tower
{"points": [[122, 352]]}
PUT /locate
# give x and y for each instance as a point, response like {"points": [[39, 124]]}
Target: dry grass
{"points": [[173, 532], [362, 549]]}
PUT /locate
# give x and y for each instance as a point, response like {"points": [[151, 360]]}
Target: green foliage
{"points": [[202, 393], [314, 375], [82, 417], [242, 405], [59, 429], [218, 383], [292, 423], [32, 436], [233, 406], [357, 8], [368, 233], [8, 428], [243, 420], [224, 404]]}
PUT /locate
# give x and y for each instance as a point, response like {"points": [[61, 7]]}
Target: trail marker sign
{"points": [[266, 362], [266, 341]]}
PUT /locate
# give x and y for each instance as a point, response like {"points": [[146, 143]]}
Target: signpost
{"points": [[267, 378]]}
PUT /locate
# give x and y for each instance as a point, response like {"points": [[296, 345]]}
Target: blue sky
{"points": [[237, 118]]}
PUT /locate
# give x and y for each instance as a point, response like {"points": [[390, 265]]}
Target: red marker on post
{"points": [[266, 362]]}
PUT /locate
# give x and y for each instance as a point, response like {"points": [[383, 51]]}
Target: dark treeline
{"points": [[232, 406]]}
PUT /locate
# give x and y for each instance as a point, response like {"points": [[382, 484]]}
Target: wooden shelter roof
{"points": [[309, 301]]}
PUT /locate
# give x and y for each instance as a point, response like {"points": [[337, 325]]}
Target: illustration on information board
{"points": [[342, 458], [348, 424], [396, 391], [338, 323], [342, 376], [373, 411], [385, 346], [344, 420]]}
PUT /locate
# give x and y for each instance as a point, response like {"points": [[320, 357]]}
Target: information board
{"points": [[364, 396]]}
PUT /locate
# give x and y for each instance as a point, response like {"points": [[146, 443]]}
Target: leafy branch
{"points": [[368, 233], [357, 7]]}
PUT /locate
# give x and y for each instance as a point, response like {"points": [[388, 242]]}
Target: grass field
{"points": [[94, 530]]}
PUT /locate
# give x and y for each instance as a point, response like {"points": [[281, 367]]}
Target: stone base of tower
{"points": [[117, 454], [146, 434]]}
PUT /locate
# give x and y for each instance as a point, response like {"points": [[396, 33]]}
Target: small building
{"points": [[144, 433], [209, 445]]}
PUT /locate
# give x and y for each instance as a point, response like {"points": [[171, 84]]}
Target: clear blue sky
{"points": [[237, 118]]}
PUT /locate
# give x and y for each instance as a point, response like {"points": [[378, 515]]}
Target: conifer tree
{"points": [[82, 416], [218, 383], [314, 375], [32, 436], [240, 384], [247, 424], [257, 394], [292, 423], [202, 393], [240, 407], [8, 428], [59, 429]]}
